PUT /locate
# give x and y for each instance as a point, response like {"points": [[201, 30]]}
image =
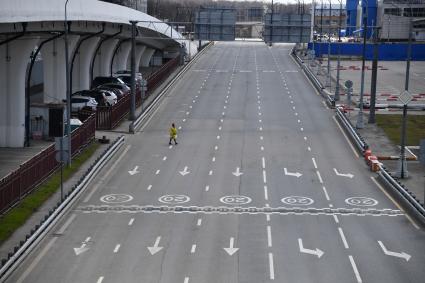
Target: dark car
{"points": [[106, 80]]}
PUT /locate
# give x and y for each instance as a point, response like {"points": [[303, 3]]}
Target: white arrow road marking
{"points": [[231, 249], [315, 252], [390, 253], [348, 175], [296, 174], [134, 171], [237, 173], [184, 172], [153, 250], [83, 248]]}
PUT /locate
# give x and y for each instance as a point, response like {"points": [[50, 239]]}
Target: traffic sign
{"points": [[405, 97], [348, 84]]}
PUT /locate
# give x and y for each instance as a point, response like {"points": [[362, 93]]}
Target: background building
{"points": [[140, 5], [326, 15]]}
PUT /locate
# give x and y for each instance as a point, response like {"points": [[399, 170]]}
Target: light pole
{"points": [[68, 87], [328, 80], [336, 97], [133, 76], [360, 124]]}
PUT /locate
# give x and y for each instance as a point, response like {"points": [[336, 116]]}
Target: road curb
{"points": [[18, 255]]}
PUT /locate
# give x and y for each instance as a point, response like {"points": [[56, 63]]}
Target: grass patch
{"points": [[18, 215], [391, 124]]}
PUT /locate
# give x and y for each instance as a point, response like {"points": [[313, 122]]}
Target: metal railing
{"points": [[30, 174], [358, 140], [162, 73]]}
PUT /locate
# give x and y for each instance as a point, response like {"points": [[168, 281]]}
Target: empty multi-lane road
{"points": [[263, 186]]}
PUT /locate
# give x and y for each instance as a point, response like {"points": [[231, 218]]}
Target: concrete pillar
{"points": [[14, 59], [146, 56], [53, 54], [103, 59], [123, 52], [139, 51], [81, 72]]}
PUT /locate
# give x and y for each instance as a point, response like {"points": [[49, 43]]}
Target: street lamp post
{"points": [[336, 97], [68, 87], [328, 80], [360, 124], [133, 76]]}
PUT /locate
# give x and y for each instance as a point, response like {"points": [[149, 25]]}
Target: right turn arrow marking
{"points": [[315, 252], [390, 253], [153, 250], [296, 174]]}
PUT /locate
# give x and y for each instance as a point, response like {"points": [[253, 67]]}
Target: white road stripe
{"points": [[149, 187], [262, 148], [305, 138], [199, 223], [344, 240], [336, 218], [186, 280], [320, 177], [218, 137], [193, 249], [356, 271], [261, 138], [216, 148], [157, 172], [271, 266], [269, 236], [263, 161], [326, 193], [264, 176], [213, 159], [117, 248], [100, 280], [309, 148], [131, 222], [207, 188], [314, 162], [164, 158], [266, 194], [210, 173]]}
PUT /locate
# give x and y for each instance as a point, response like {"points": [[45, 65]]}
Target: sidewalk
{"points": [[373, 135]]}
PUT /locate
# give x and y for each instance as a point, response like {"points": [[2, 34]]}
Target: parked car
{"points": [[103, 97], [106, 80], [79, 101], [124, 73], [123, 87], [118, 92]]}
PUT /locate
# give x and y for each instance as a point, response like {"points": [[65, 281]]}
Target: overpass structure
{"points": [[99, 44]]}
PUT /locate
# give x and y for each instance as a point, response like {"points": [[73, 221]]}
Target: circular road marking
{"points": [[235, 199], [297, 200], [174, 199], [116, 198], [361, 201]]}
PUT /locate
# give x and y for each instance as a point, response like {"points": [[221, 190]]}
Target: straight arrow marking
{"points": [[237, 173], [343, 175], [83, 248], [395, 254], [153, 250], [231, 249], [296, 174], [315, 252]]}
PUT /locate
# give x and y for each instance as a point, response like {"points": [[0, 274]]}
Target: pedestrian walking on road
{"points": [[173, 134]]}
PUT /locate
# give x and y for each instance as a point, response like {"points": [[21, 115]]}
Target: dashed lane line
{"points": [[344, 240], [356, 271]]}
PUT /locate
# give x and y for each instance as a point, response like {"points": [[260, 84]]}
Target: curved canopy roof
{"points": [[15, 11]]}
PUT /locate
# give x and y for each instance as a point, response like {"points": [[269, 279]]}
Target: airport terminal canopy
{"points": [[30, 11]]}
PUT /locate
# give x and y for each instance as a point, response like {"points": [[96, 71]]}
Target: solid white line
{"points": [[356, 271], [164, 158], [100, 280], [320, 177], [264, 176], [210, 173], [263, 160], [395, 203], [131, 222], [157, 172], [326, 193], [207, 188], [271, 266], [336, 218], [193, 249], [95, 187], [117, 248], [344, 240], [149, 187], [266, 194], [186, 280], [269, 236], [348, 140], [36, 260], [314, 162], [67, 223], [268, 217], [199, 223]]}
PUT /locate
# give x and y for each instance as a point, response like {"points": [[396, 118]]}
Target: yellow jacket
{"points": [[173, 132]]}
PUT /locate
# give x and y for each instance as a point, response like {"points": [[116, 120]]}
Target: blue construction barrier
{"points": [[387, 51]]}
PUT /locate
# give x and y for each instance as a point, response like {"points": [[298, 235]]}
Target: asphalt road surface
{"points": [[263, 186]]}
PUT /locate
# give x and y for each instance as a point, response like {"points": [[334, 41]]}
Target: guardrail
{"points": [[22, 181], [40, 230], [358, 140], [409, 199]]}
